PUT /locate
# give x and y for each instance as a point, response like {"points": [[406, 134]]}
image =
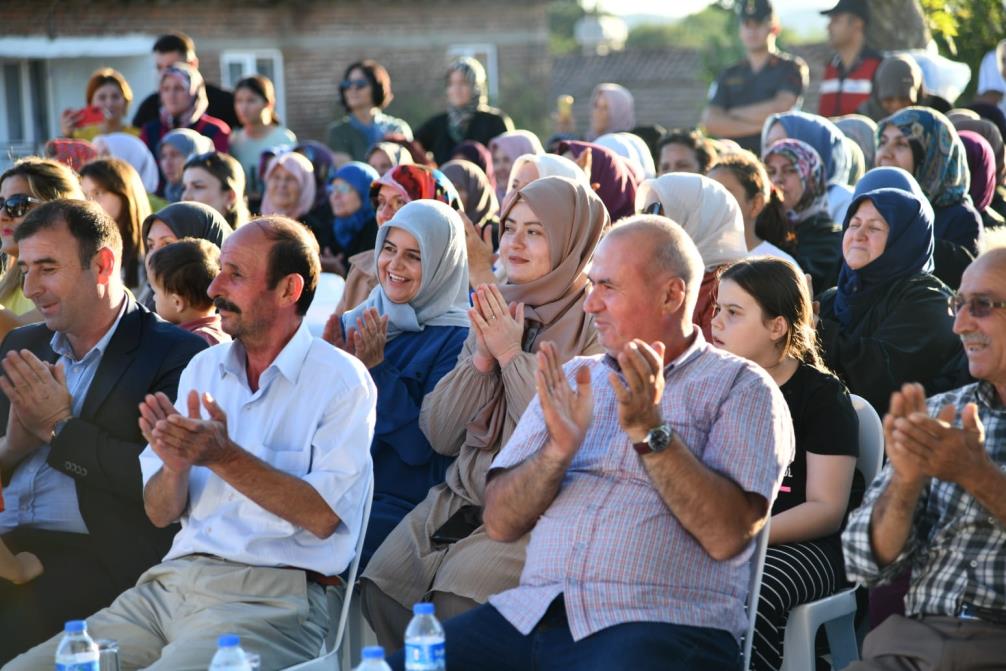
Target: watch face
{"points": [[659, 438]]}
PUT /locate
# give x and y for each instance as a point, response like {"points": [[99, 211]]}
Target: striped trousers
{"points": [[794, 574]]}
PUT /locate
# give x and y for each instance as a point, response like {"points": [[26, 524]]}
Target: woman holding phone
{"points": [[108, 97]]}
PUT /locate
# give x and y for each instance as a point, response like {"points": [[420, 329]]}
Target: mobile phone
{"points": [[89, 116], [458, 526], [564, 107]]}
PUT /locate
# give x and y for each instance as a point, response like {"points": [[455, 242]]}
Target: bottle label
{"points": [[78, 666], [424, 656]]}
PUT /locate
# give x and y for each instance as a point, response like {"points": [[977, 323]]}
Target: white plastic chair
{"points": [[330, 658], [754, 589], [836, 612]]}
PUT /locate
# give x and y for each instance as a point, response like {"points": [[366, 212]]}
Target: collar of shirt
{"points": [[287, 363], [60, 344], [987, 396], [697, 345], [864, 53]]}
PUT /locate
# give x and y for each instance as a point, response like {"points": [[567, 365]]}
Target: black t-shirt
{"points": [[739, 85], [824, 422]]}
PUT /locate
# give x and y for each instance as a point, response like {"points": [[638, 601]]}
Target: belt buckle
{"points": [[967, 612]]}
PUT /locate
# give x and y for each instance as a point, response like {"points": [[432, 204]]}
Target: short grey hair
{"points": [[671, 251]]}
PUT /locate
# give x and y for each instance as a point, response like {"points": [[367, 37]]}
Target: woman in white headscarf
{"points": [[633, 149], [131, 150], [408, 333], [529, 167], [711, 217]]}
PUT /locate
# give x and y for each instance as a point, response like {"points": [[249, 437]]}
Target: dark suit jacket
{"points": [[100, 449]]}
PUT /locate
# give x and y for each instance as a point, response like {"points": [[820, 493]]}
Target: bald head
{"points": [[991, 261], [658, 248]]}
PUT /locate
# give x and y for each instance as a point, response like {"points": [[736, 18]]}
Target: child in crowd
{"points": [[180, 275], [17, 568]]}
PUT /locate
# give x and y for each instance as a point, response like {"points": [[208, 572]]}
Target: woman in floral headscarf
{"points": [[183, 105], [397, 187], [468, 115], [925, 143], [796, 168]]}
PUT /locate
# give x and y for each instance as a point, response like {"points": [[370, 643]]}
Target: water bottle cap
{"points": [[423, 608], [373, 652], [75, 627], [229, 641]]}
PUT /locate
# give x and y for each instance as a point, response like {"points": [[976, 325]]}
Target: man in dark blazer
{"points": [[69, 413]]}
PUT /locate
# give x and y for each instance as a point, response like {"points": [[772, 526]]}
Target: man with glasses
{"points": [[939, 506]]}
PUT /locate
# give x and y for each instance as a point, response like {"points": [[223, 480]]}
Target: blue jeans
{"points": [[482, 639]]}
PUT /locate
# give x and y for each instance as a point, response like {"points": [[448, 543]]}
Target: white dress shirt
{"points": [[312, 417]]}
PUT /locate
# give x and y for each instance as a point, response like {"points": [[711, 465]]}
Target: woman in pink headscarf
{"points": [[612, 110], [505, 149], [289, 186]]}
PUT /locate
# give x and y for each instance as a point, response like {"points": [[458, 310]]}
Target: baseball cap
{"points": [[858, 7], [759, 10]]}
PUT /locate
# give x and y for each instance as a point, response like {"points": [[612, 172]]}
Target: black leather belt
{"points": [[991, 615]]}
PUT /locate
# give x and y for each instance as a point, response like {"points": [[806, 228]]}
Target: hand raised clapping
{"points": [[37, 392], [499, 327], [568, 412], [185, 441]]}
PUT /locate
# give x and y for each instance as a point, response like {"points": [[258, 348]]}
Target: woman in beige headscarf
{"points": [[550, 230], [711, 217]]}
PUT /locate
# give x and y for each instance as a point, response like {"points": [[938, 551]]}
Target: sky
{"points": [[679, 8]]}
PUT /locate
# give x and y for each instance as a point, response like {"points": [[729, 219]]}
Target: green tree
{"points": [[965, 30], [562, 18]]}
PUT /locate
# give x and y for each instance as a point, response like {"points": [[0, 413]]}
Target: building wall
{"points": [[319, 38]]}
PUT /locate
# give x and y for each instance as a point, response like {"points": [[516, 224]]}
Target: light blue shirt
{"points": [[38, 496]]}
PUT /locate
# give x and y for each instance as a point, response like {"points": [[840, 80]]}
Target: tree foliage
{"points": [[965, 30]]}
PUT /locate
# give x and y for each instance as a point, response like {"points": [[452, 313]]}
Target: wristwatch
{"points": [[656, 440]]}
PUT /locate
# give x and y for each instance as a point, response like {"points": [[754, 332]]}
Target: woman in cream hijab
{"points": [[529, 167], [713, 219], [550, 229]]}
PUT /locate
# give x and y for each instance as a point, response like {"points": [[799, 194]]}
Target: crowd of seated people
{"points": [[578, 377]]}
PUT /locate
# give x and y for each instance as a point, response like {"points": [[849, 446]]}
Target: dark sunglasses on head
{"points": [[978, 306], [654, 208], [353, 84], [18, 205]]}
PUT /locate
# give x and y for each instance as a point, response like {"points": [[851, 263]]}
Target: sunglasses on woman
{"points": [[353, 84], [340, 187], [979, 306], [18, 205]]}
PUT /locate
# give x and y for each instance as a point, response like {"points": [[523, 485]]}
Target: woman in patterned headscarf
{"points": [[925, 143], [183, 105], [468, 115], [796, 168]]}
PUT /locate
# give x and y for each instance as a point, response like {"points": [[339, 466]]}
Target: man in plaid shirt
{"points": [[643, 475], [939, 506]]}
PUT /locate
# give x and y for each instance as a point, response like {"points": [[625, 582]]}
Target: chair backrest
{"points": [[355, 564], [754, 589], [871, 440]]}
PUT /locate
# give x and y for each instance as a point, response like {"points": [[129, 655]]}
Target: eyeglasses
{"points": [[18, 205], [654, 208], [353, 84], [339, 187], [978, 306]]}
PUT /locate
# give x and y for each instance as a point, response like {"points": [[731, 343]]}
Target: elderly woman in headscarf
{"points": [[612, 110], [290, 187], [830, 144], [353, 227], [505, 149], [550, 230], [863, 131], [796, 169], [887, 322], [183, 105], [408, 333], [478, 198], [384, 156], [394, 189], [468, 115], [615, 181], [925, 143], [174, 150], [131, 150], [631, 148], [982, 166], [176, 221], [713, 220], [477, 153]]}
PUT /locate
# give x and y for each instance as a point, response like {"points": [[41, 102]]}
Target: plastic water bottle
{"points": [[424, 641], [373, 659], [229, 655], [77, 651]]}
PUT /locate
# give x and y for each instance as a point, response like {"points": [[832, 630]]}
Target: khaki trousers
{"points": [[933, 644], [172, 618]]}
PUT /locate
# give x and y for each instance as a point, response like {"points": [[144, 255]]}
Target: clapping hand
{"points": [[480, 252], [499, 327], [332, 334], [369, 337], [567, 412], [37, 392], [639, 397], [184, 441]]}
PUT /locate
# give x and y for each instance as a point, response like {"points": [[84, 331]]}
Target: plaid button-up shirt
{"points": [[608, 542], [956, 548]]}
